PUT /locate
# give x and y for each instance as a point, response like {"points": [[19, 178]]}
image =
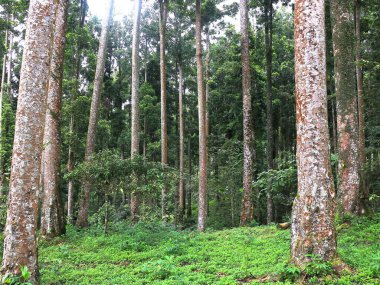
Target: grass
{"points": [[152, 254]]}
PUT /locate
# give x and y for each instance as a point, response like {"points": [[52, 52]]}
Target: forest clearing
{"points": [[190, 142]]}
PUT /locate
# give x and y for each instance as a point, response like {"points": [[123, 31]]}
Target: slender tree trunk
{"points": [[246, 212], [361, 110], [20, 242], [313, 230], [164, 123], [202, 198], [346, 99], [84, 202], [71, 154], [188, 209], [182, 193], [52, 217], [207, 73], [270, 135], [2, 87], [135, 136], [9, 67]]}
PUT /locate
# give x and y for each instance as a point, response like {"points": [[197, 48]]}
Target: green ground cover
{"points": [[152, 254]]}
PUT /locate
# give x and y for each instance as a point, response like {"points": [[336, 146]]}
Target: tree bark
{"points": [[342, 15], [84, 202], [20, 243], [182, 193], [71, 154], [188, 193], [202, 194], [164, 123], [361, 111], [52, 217], [269, 107], [2, 87], [313, 230], [135, 132], [246, 212]]}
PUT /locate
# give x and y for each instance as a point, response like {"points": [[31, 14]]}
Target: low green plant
{"points": [[21, 279]]}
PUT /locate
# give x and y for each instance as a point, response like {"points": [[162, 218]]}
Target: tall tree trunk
{"points": [[164, 123], [84, 202], [361, 110], [207, 73], [20, 242], [270, 135], [2, 87], [135, 136], [182, 193], [346, 99], [52, 217], [202, 197], [9, 67], [246, 212], [188, 209], [313, 230], [71, 155]]}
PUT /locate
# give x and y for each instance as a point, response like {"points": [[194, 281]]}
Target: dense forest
{"points": [[190, 142]]}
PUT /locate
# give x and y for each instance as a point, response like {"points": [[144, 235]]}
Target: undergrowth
{"points": [[153, 254]]}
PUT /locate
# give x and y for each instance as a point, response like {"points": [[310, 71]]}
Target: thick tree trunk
{"points": [[313, 230], [164, 123], [361, 111], [52, 217], [342, 14], [270, 135], [20, 242], [202, 197], [135, 136], [84, 202], [246, 212]]}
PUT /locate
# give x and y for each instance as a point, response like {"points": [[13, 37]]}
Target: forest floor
{"points": [[152, 254]]}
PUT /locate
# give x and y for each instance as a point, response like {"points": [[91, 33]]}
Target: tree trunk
{"points": [[84, 202], [2, 87], [9, 67], [313, 230], [202, 198], [20, 242], [164, 124], [270, 136], [71, 155], [207, 73], [346, 102], [135, 132], [52, 217], [188, 209], [361, 111], [182, 193], [246, 212]]}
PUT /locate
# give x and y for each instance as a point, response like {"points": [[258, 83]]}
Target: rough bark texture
{"points": [[84, 202], [182, 193], [246, 211], [52, 217], [342, 14], [361, 111], [202, 191], [270, 136], [164, 123], [207, 73], [135, 135], [313, 230], [20, 243]]}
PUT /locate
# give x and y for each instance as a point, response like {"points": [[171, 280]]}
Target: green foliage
{"points": [[21, 279], [149, 253]]}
